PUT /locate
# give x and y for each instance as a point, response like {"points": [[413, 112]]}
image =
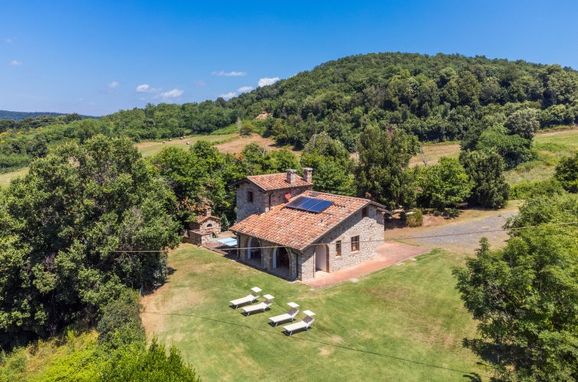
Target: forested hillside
{"points": [[436, 98], [19, 115]]}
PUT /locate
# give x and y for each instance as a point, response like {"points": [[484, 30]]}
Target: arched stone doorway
{"points": [[254, 254], [281, 259]]}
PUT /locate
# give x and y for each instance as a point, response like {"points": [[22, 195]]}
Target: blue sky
{"points": [[96, 57]]}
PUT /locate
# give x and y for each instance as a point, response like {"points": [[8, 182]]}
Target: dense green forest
{"points": [[436, 98]]}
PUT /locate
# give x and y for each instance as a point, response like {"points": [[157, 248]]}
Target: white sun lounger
{"points": [[289, 316], [260, 307], [305, 324], [247, 299]]}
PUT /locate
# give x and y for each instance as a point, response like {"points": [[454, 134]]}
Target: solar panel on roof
{"points": [[305, 203]]}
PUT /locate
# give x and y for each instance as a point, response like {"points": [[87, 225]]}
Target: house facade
{"points": [[259, 193], [310, 233]]}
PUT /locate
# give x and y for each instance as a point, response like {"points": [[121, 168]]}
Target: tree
{"points": [[332, 165], [523, 122], [79, 215], [567, 173], [382, 173], [486, 171], [512, 147], [443, 185], [524, 298]]}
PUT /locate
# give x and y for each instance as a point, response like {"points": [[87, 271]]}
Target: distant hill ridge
{"points": [[20, 115]]}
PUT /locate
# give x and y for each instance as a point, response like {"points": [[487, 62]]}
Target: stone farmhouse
{"points": [[285, 228]]}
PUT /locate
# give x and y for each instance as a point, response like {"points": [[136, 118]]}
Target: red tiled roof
{"points": [[201, 219], [268, 182], [298, 229]]}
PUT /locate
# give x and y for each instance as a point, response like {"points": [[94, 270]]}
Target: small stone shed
{"points": [[203, 229]]}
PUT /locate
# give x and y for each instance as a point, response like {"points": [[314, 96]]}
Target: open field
{"points": [[149, 148], [550, 147], [405, 323], [432, 152], [231, 143]]}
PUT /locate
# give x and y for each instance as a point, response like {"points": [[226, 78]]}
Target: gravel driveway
{"points": [[461, 235]]}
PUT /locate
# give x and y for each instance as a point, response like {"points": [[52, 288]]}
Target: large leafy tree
{"points": [[77, 218], [200, 177], [443, 185], [333, 167], [382, 174], [523, 122], [486, 171], [524, 297]]}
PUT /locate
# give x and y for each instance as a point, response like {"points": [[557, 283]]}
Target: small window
{"points": [[250, 196], [355, 244], [209, 225], [338, 248], [364, 212]]}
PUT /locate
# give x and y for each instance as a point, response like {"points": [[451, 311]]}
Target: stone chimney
{"points": [[291, 176], [308, 174]]}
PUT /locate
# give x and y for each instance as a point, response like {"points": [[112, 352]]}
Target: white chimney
{"points": [[291, 176], [308, 174]]}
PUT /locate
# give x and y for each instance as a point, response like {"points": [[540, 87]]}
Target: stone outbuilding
{"points": [[203, 229], [305, 233]]}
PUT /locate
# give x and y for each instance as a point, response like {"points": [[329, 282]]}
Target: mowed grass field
{"points": [[404, 323]]}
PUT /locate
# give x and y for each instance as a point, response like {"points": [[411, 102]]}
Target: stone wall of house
{"points": [[262, 200], [370, 232], [245, 208]]}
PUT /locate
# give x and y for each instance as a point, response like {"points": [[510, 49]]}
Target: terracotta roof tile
{"points": [[268, 182], [299, 229]]}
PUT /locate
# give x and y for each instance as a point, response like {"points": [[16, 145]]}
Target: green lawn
{"points": [[406, 323]]}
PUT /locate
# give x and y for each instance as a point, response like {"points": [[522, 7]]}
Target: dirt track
{"points": [[459, 235]]}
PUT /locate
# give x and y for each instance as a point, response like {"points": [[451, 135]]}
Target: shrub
{"points": [[137, 363], [413, 218], [120, 323], [529, 189]]}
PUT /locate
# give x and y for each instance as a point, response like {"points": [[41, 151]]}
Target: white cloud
{"points": [[15, 63], [174, 93], [228, 95], [113, 85], [244, 89], [8, 40], [144, 88], [265, 81], [233, 73]]}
